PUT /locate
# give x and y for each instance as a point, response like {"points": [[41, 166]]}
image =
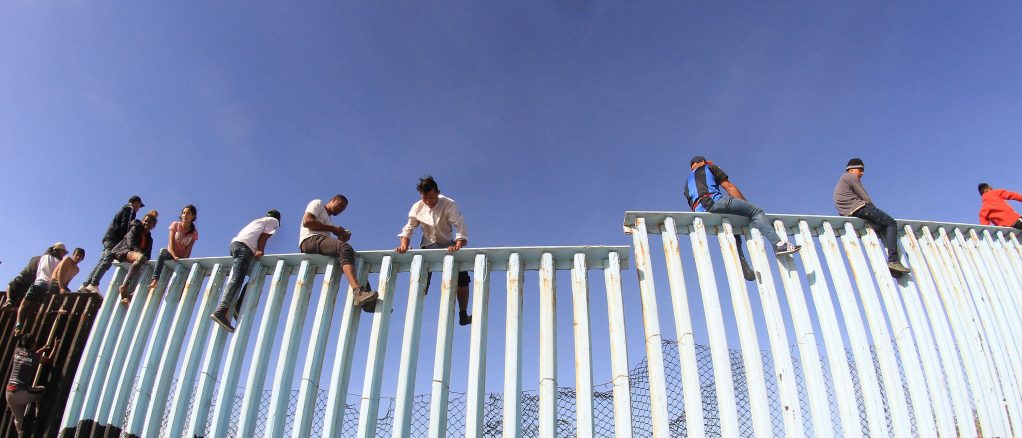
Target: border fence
{"points": [[830, 345]]}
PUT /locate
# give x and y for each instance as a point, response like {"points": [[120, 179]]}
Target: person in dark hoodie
{"points": [[19, 285], [851, 199], [136, 247], [20, 391], [114, 234]]}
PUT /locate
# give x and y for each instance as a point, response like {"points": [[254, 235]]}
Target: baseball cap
{"points": [[136, 198]]}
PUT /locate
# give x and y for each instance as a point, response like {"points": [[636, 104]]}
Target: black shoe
{"points": [[464, 318], [221, 317], [747, 272]]}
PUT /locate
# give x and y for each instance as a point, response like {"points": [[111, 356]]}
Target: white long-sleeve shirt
{"points": [[437, 222]]}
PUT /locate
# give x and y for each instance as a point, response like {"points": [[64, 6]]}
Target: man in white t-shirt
{"points": [[249, 244], [438, 216], [314, 237]]}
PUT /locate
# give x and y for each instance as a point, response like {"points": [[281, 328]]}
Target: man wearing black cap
{"points": [[114, 233], [709, 189], [851, 199], [249, 244]]}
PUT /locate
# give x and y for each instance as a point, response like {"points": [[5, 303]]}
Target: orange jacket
{"points": [[995, 208]]}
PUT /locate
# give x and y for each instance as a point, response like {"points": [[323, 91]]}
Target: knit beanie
{"points": [[855, 163]]}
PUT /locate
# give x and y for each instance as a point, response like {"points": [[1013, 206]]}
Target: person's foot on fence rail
{"points": [[784, 248], [222, 316], [897, 268]]}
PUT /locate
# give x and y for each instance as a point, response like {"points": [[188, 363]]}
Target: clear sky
{"points": [[544, 120]]}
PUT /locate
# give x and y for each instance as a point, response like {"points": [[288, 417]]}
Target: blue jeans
{"points": [[106, 258], [888, 228], [243, 256], [730, 205], [164, 256]]}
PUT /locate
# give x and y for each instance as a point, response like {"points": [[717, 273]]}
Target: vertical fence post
{"points": [[408, 363], [547, 347], [513, 349], [719, 353], [691, 385], [164, 349], [901, 333], [442, 360], [618, 348], [477, 349], [308, 388], [583, 349], [264, 346], [837, 358], [969, 342], [651, 324], [193, 352], [805, 339], [340, 375], [377, 350], [784, 370], [285, 369], [928, 313], [856, 333], [99, 340]]}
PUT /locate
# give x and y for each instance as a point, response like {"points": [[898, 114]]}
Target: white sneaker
{"points": [[786, 248], [92, 288]]}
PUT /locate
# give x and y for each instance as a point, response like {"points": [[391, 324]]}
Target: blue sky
{"points": [[544, 120]]}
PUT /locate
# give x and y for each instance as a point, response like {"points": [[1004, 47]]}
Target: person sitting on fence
{"points": [[136, 247], [851, 199], [43, 285], [249, 244], [438, 216], [20, 392], [183, 235], [114, 234], [314, 238], [710, 189], [995, 209], [19, 285]]}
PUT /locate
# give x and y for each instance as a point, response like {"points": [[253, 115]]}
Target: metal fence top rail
{"points": [[684, 218], [530, 256]]}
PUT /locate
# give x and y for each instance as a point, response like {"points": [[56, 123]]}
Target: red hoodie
{"points": [[995, 208]]}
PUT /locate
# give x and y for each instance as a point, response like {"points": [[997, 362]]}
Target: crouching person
{"points": [[137, 248], [314, 238]]}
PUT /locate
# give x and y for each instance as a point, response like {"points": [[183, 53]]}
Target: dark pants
{"points": [[16, 290], [164, 256], [106, 258], [887, 227], [328, 246], [1018, 224], [463, 278], [243, 256]]}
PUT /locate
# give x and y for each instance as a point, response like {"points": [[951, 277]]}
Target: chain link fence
{"points": [[603, 404]]}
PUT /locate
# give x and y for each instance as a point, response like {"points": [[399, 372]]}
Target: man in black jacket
{"points": [[19, 285], [114, 234]]}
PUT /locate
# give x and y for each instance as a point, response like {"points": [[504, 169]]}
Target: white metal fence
{"points": [[941, 337], [831, 344]]}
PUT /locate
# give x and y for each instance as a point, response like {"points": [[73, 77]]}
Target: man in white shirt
{"points": [[314, 238], [438, 215], [249, 244]]}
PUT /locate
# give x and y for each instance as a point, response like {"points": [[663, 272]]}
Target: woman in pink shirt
{"points": [[183, 235]]}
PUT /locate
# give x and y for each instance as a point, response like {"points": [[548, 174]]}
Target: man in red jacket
{"points": [[995, 209]]}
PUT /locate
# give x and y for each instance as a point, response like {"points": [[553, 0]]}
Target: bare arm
{"points": [[732, 190], [170, 245], [309, 221], [261, 245]]}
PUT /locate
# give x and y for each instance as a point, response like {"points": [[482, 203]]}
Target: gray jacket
{"points": [[850, 195]]}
